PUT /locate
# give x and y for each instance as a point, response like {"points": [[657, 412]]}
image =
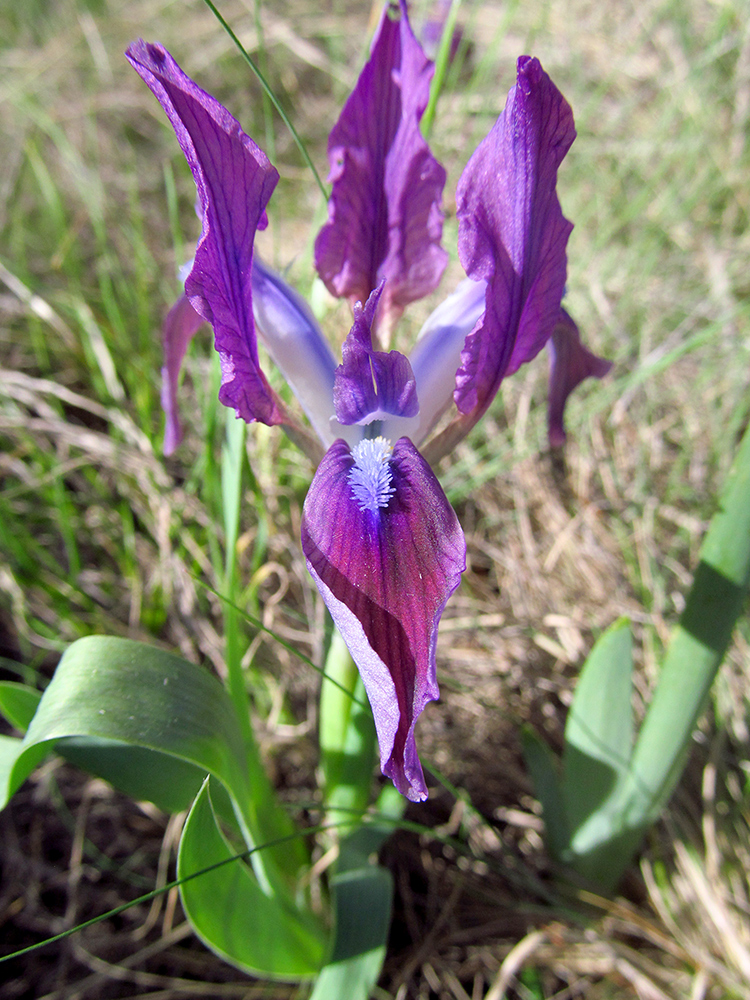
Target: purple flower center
{"points": [[370, 476]]}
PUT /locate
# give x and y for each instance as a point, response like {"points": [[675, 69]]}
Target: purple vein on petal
{"points": [[386, 570], [385, 217], [235, 181], [512, 234], [371, 385]]}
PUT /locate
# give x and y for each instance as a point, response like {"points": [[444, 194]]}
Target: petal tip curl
{"points": [[570, 363]]}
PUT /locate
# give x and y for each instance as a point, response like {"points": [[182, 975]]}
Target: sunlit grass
{"points": [[98, 533]]}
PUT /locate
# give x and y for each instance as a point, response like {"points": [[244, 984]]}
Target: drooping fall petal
{"points": [[370, 384], [180, 326], [386, 552], [570, 364], [235, 181], [512, 234], [385, 219]]}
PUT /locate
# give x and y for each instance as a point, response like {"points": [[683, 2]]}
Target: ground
{"points": [[99, 533]]}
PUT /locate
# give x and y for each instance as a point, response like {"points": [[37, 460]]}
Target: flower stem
{"points": [[347, 738], [261, 813], [231, 486]]}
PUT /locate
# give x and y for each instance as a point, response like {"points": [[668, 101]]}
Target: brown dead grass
{"points": [[557, 549]]}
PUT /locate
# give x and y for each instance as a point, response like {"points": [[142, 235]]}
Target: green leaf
{"points": [[141, 773], [442, 62], [598, 736], [111, 695], [18, 702], [362, 894], [11, 748], [259, 933], [698, 644], [348, 741], [154, 725], [544, 770], [363, 914], [600, 721]]}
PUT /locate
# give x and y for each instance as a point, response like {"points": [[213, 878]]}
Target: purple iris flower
{"points": [[382, 543]]}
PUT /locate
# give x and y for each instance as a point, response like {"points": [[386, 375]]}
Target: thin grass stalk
{"points": [[147, 897], [263, 65], [268, 90], [442, 63]]}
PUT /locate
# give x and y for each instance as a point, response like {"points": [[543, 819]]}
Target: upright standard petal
{"points": [[385, 219], [235, 181], [512, 234], [386, 552], [180, 326], [570, 364], [371, 385]]}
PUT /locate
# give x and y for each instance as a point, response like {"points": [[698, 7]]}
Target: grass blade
{"points": [[442, 63], [268, 90]]}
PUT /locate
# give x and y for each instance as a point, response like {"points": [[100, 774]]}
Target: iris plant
{"points": [[382, 543]]}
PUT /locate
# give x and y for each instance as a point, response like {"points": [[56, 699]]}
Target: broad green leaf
{"points": [[362, 894], [127, 694], [142, 773], [544, 770], [113, 703], [717, 598], [11, 748], [18, 702], [600, 721], [362, 899], [604, 845], [169, 782], [257, 932], [598, 733]]}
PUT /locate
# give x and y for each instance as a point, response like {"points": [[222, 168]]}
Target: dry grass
{"points": [[99, 533]]}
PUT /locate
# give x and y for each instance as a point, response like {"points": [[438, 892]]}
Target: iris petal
{"points": [[436, 357], [371, 385], [512, 234], [385, 219], [385, 571], [291, 335], [180, 326], [235, 181], [570, 364]]}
